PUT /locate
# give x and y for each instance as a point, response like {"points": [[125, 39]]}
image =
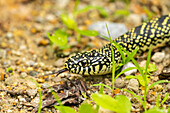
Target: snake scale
{"points": [[99, 62]]}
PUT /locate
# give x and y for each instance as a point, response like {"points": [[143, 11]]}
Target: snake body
{"points": [[99, 62]]}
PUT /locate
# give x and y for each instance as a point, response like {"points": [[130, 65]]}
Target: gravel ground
{"points": [[26, 52]]}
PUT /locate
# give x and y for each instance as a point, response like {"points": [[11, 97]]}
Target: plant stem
{"points": [[113, 62]]}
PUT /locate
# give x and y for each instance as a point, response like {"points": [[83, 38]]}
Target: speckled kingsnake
{"points": [[99, 62]]}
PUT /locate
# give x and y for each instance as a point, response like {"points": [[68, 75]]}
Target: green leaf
{"points": [[59, 38], [87, 32], [120, 104], [155, 110], [129, 57], [89, 7], [64, 109], [141, 80], [124, 103], [86, 108], [68, 21], [130, 77], [152, 68], [123, 12]]}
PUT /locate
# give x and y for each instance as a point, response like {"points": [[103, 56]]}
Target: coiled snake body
{"points": [[99, 62]]}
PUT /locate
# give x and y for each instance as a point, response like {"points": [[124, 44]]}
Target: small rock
{"points": [[30, 84], [17, 53], [11, 80], [21, 99], [30, 69], [142, 63], [134, 19], [40, 80], [62, 4], [60, 62], [129, 64], [119, 83], [39, 19], [44, 42], [9, 35], [3, 53], [168, 87], [23, 75], [158, 57], [158, 87], [115, 29], [50, 17], [133, 85], [32, 92]]}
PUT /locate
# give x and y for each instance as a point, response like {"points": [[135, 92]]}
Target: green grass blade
{"points": [[140, 100], [113, 60], [158, 82], [40, 95], [148, 60], [157, 101], [125, 70], [165, 98], [103, 85], [131, 55]]}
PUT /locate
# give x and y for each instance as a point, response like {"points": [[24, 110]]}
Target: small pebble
{"points": [[60, 62], [158, 87], [23, 75], [133, 85], [134, 19], [9, 35], [115, 29], [21, 99], [119, 83], [168, 87], [3, 53], [32, 92], [129, 64], [158, 57], [40, 80]]}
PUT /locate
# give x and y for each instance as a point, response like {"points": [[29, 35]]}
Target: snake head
{"points": [[89, 63]]}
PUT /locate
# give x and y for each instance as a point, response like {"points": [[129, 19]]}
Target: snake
{"points": [[151, 34]]}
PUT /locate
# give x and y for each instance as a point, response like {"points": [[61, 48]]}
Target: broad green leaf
{"points": [[68, 21], [105, 101], [87, 32], [124, 103], [120, 104], [86, 108], [141, 80], [155, 110], [65, 109], [59, 38]]}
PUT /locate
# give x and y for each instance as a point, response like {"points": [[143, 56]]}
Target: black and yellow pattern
{"points": [[98, 62]]}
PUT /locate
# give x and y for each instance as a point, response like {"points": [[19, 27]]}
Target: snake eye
{"points": [[84, 63]]}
